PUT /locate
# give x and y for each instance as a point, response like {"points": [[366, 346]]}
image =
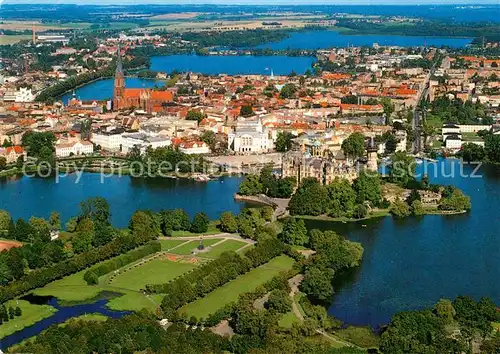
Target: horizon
{"points": [[253, 2]]}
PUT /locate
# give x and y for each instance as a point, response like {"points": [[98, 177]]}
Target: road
{"points": [[417, 114]]}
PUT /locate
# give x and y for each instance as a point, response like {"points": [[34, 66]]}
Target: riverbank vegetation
{"points": [[424, 28], [448, 327]]}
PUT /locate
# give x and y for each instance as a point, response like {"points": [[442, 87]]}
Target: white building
{"points": [[74, 148], [196, 147], [24, 95], [108, 140], [143, 141], [450, 129], [250, 136]]}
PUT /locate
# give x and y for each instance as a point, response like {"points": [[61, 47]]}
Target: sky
{"points": [[254, 2]]}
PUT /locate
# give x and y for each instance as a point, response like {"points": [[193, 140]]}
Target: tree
{"points": [[492, 147], [311, 198], [91, 278], [200, 223], [317, 284], [279, 301], [195, 115], [417, 208], [445, 310], [288, 91], [360, 211], [400, 209], [342, 197], [251, 185], [97, 209], [294, 232], [354, 146], [4, 220], [388, 106], [284, 141], [402, 168], [71, 224], [368, 188], [37, 142], [55, 220], [208, 137], [228, 222], [3, 163], [40, 228], [473, 152], [457, 201], [246, 111], [144, 225]]}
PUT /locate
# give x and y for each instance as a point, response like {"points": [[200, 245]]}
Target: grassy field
{"points": [[228, 245], [30, 315], [12, 39], [168, 244], [361, 336], [288, 319], [70, 288], [159, 270], [188, 247], [229, 292]]}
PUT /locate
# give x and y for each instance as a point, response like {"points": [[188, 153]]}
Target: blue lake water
{"points": [[63, 314], [408, 264], [103, 89], [232, 65], [36, 196], [329, 39], [411, 263]]}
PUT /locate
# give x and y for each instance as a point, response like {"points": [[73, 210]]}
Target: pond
{"points": [[63, 314]]}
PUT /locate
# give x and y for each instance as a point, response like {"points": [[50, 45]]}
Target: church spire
{"points": [[119, 66]]}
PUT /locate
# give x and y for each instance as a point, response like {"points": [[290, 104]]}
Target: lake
{"points": [[232, 65], [329, 38], [27, 196], [412, 263], [103, 89], [210, 65], [407, 264]]}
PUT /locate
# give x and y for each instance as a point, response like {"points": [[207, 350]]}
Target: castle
{"points": [[137, 98]]}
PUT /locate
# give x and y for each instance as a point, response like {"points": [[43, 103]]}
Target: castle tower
{"points": [[372, 163], [119, 87]]}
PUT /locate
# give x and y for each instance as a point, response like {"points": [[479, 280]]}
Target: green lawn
{"points": [[228, 245], [212, 230], [70, 288], [229, 292], [288, 319], [168, 244], [188, 247], [157, 271], [361, 336], [87, 317], [30, 315]]}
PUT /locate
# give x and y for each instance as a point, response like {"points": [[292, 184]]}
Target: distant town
{"points": [[249, 179]]}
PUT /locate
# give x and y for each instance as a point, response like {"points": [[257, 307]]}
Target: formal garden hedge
{"points": [[43, 276], [91, 276], [203, 280]]}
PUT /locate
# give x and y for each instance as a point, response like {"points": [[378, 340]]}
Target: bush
{"points": [[279, 301], [91, 278], [200, 223], [360, 212], [400, 209]]}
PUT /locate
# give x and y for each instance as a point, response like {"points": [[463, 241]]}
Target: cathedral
{"points": [[146, 99]]}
